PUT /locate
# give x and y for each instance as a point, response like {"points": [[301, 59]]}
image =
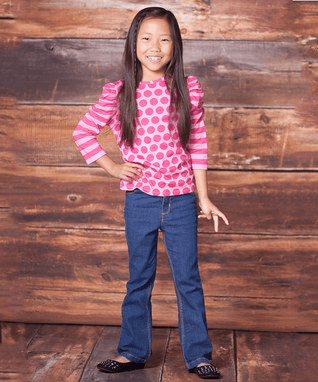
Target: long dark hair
{"points": [[174, 76]]}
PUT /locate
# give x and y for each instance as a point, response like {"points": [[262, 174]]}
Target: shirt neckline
{"points": [[153, 81]]}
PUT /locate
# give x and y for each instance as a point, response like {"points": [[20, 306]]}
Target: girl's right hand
{"points": [[126, 171]]}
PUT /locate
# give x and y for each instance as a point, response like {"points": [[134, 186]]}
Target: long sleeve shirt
{"points": [[167, 166]]}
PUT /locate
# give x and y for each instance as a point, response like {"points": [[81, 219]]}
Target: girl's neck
{"points": [[152, 79]]}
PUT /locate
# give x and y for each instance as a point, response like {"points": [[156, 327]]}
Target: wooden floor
{"points": [[69, 353]]}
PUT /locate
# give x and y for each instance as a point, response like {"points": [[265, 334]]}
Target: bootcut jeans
{"points": [[176, 217]]}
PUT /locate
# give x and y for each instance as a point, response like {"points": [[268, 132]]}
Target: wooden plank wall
{"points": [[63, 253]]}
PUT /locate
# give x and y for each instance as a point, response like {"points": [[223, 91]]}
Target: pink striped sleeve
{"points": [[197, 145], [96, 118]]}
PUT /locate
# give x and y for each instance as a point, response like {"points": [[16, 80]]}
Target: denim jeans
{"points": [[177, 218]]}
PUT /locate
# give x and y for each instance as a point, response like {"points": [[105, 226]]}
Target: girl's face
{"points": [[154, 48]]}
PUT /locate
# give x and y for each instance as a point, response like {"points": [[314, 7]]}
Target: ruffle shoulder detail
{"points": [[110, 93], [195, 92]]}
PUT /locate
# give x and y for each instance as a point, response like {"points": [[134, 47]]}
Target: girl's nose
{"points": [[155, 46]]}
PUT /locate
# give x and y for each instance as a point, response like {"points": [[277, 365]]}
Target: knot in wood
{"points": [[72, 198], [49, 45]]}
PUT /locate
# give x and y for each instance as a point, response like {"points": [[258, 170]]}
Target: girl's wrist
{"points": [[204, 200], [106, 163]]}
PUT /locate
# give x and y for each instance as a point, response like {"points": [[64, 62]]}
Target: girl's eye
{"points": [[145, 38]]}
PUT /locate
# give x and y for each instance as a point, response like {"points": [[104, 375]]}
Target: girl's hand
{"points": [[126, 171], [210, 211]]}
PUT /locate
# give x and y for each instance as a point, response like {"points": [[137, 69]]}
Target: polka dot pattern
{"points": [[167, 166]]}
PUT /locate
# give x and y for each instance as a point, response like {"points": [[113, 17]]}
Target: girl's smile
{"points": [[154, 48], [154, 59]]}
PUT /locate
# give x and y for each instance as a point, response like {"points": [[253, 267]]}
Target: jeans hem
{"points": [[191, 365], [132, 357]]}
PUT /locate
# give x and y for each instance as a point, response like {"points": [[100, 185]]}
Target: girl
{"points": [[156, 115]]}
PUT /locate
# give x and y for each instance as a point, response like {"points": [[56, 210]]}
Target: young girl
{"points": [[156, 115]]}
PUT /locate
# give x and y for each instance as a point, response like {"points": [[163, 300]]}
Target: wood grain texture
{"points": [[88, 198], [31, 352], [231, 72], [222, 312], [223, 356], [10, 257], [238, 138], [6, 8], [240, 20], [61, 223], [307, 108], [59, 352], [270, 314], [14, 365], [276, 356], [42, 135], [8, 144], [249, 282], [97, 261], [261, 139], [106, 348]]}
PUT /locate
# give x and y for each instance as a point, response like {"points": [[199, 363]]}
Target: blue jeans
{"points": [[177, 218]]}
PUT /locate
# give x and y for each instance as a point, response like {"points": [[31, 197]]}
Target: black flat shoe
{"points": [[206, 371], [111, 366]]}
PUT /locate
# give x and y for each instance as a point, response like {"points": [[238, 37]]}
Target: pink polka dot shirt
{"points": [[167, 166]]}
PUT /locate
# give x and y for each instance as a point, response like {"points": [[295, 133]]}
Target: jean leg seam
{"points": [[148, 321], [147, 330], [179, 299], [162, 214], [165, 213]]}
